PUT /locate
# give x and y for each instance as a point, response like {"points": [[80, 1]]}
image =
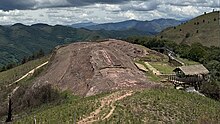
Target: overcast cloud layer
{"points": [[99, 11]]}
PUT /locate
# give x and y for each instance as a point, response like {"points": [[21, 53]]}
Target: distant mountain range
{"points": [[152, 27], [18, 41], [84, 24]]}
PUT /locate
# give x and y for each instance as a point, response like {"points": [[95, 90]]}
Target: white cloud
{"points": [[101, 13]]}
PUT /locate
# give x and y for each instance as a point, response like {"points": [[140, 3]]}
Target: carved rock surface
{"points": [[89, 68]]}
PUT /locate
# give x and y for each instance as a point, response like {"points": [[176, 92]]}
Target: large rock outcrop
{"points": [[89, 68]]}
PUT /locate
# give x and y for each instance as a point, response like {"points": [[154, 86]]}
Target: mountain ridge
{"points": [[19, 41], [153, 26]]}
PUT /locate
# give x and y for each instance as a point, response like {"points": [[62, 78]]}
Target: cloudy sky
{"points": [[99, 11]]}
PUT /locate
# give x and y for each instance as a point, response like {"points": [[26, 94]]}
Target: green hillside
{"points": [[149, 106], [19, 41], [204, 29], [10, 76]]}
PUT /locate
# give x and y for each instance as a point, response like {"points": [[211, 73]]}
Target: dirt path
{"points": [[106, 103], [29, 73]]}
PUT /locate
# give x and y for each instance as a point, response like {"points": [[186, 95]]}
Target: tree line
{"points": [[25, 59]]}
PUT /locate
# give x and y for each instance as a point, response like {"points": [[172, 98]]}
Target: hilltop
{"points": [[204, 29], [90, 68]]}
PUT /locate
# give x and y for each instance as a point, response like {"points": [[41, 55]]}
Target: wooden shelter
{"points": [[192, 75], [191, 70]]}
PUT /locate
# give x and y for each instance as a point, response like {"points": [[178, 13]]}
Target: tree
{"points": [[211, 89], [3, 69], [40, 53], [196, 52], [24, 60]]}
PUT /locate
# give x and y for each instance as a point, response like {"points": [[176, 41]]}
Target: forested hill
{"points": [[204, 29], [19, 41]]}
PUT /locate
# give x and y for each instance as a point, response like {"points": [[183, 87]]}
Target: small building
{"points": [[192, 75], [192, 70]]}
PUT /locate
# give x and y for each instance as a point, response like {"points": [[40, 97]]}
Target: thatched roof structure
{"points": [[192, 69]]}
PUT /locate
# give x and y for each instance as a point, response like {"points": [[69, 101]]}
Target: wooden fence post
{"points": [[35, 121], [9, 118]]}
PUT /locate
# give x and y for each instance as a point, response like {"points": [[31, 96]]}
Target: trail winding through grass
{"points": [[106, 103]]}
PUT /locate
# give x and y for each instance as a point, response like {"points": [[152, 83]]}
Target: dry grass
{"points": [[207, 32]]}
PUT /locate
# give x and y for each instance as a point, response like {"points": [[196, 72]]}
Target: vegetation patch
{"points": [[164, 68], [69, 111], [10, 76], [166, 106]]}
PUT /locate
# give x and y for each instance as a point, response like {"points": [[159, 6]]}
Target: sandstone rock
{"points": [[89, 68]]}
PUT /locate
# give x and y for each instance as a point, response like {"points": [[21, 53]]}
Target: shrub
{"points": [[211, 89], [187, 35], [26, 97], [40, 95]]}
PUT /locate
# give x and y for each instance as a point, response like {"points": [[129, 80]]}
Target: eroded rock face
{"points": [[90, 68]]}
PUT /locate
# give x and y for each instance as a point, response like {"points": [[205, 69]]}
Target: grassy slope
{"points": [[9, 76], [164, 68], [188, 62], [208, 31], [167, 106], [13, 74], [151, 106], [71, 110]]}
